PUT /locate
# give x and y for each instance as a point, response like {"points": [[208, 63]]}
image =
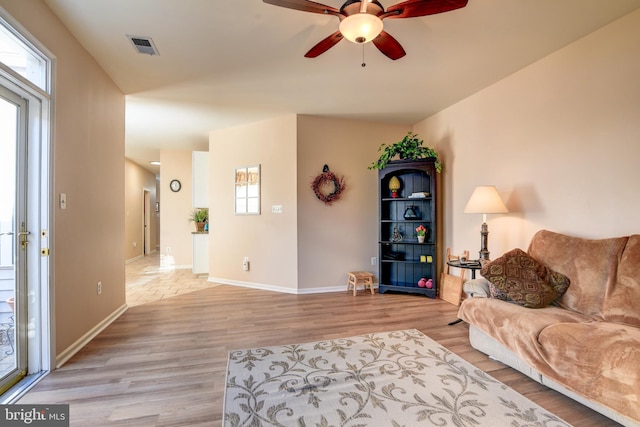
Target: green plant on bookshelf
{"points": [[410, 148]]}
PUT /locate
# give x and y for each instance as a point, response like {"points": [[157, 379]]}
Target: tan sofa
{"points": [[586, 345]]}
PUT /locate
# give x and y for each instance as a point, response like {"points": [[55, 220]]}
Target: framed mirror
{"points": [[247, 190]]}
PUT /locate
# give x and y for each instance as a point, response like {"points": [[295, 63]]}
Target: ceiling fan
{"points": [[361, 21]]}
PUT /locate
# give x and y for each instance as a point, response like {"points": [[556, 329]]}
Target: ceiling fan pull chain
{"points": [[363, 63]]}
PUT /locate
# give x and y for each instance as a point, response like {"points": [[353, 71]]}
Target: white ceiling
{"points": [[224, 63]]}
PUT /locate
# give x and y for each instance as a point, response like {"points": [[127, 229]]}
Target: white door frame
{"points": [[34, 324], [146, 249], [39, 307]]}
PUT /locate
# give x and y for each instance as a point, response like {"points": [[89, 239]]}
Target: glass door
{"points": [[25, 210], [13, 237]]}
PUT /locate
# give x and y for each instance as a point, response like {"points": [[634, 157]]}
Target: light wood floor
{"points": [[163, 363], [148, 282]]}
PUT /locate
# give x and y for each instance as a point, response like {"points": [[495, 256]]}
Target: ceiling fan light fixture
{"points": [[361, 27]]}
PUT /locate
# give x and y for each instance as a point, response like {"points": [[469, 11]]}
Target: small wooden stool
{"points": [[363, 278]]}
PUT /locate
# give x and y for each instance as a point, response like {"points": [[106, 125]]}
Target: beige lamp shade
{"points": [[485, 200], [361, 27]]}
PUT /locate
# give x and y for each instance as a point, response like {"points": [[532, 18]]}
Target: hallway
{"points": [[146, 282]]}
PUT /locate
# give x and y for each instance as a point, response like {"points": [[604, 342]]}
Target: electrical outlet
{"points": [[374, 260], [99, 288], [135, 244], [245, 263]]}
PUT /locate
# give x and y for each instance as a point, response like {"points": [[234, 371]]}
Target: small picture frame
{"points": [[247, 190]]}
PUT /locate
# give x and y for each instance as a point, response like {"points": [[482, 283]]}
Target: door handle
{"points": [[23, 238], [23, 233], [9, 233]]}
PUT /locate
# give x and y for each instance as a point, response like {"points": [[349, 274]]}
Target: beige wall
{"points": [[559, 139], [88, 160], [138, 180], [342, 237], [310, 246], [175, 208], [269, 240]]}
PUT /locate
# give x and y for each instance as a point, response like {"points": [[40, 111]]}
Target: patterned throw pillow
{"points": [[496, 293], [519, 278]]}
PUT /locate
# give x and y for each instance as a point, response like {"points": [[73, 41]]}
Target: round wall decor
{"points": [[327, 186], [175, 185]]}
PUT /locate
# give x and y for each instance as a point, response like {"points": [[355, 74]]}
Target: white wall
{"points": [[560, 139]]}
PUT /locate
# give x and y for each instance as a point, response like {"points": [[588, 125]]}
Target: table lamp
{"points": [[485, 200]]}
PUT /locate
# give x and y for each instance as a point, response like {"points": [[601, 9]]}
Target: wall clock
{"points": [[175, 185]]}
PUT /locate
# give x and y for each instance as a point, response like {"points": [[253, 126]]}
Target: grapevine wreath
{"points": [[327, 186]]}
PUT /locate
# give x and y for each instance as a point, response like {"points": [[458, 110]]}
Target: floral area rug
{"points": [[395, 379]]}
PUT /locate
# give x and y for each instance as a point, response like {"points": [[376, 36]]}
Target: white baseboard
{"points": [[264, 287], [70, 351], [135, 258], [175, 267]]}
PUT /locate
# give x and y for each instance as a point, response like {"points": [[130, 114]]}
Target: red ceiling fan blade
{"points": [[305, 6], [324, 45], [415, 8], [389, 46]]}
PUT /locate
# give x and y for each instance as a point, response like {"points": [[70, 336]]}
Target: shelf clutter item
{"points": [[360, 278], [394, 186], [393, 256], [452, 285], [419, 195], [411, 213]]}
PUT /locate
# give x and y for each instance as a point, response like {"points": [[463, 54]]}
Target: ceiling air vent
{"points": [[144, 45]]}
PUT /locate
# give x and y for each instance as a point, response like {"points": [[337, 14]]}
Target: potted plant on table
{"points": [[410, 147], [200, 218]]}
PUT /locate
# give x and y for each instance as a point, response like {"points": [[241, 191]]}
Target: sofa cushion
{"points": [[598, 360], [590, 265], [518, 277], [513, 326], [623, 298]]}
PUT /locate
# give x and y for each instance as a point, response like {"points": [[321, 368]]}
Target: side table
{"points": [[472, 265]]}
